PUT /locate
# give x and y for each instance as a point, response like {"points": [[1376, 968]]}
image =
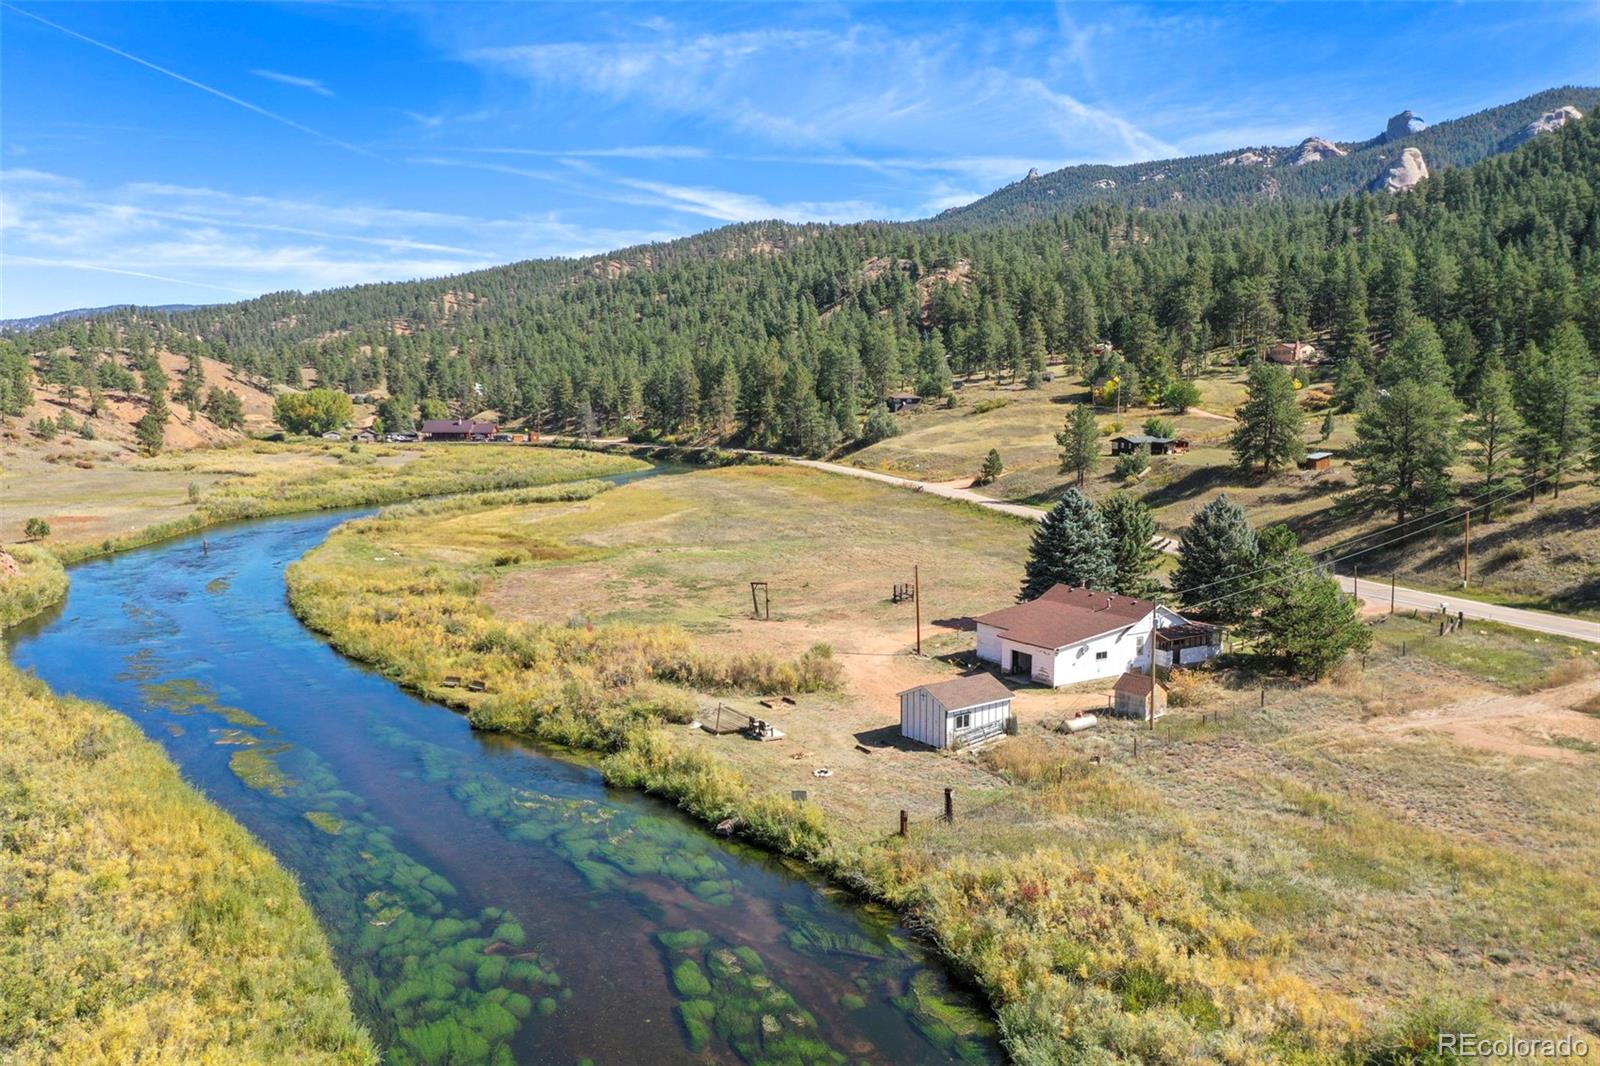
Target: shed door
{"points": [[1022, 663]]}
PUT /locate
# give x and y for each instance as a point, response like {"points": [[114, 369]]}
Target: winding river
{"points": [[487, 900]]}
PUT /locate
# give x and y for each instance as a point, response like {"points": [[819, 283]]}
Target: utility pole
{"points": [[1151, 706], [1391, 594], [1357, 570], [1466, 549], [916, 598]]}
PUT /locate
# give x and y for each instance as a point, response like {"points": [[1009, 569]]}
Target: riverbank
{"points": [[141, 921], [1155, 968], [154, 924]]}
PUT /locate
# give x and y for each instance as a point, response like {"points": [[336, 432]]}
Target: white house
{"points": [[1074, 634], [957, 713]]}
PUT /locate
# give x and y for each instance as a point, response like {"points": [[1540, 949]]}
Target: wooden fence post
{"points": [[905, 822], [949, 805]]}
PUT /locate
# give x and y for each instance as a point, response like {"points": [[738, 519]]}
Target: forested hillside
{"points": [[1264, 173], [789, 336]]}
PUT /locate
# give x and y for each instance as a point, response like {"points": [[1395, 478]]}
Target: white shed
{"points": [[955, 714]]}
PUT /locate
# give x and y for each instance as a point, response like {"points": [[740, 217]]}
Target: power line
{"points": [[1388, 529], [1351, 555]]}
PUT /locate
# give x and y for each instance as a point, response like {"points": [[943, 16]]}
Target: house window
{"points": [[1100, 654], [963, 721]]}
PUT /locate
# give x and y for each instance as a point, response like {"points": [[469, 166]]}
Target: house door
{"points": [[1022, 663]]}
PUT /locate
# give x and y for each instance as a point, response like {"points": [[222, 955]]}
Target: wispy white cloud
{"points": [[203, 237], [309, 84], [635, 151], [726, 206], [882, 91]]}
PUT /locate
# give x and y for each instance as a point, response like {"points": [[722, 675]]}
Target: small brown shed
{"points": [[1131, 698], [1318, 460]]}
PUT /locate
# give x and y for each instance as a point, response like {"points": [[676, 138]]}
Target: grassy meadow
{"points": [[1331, 877], [141, 923], [1542, 554]]}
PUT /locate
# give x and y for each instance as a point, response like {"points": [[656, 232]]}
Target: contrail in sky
{"points": [[246, 104]]}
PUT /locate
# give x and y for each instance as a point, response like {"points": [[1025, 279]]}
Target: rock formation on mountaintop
{"points": [[1409, 169], [1247, 158], [1313, 150], [1545, 123], [1402, 126], [1105, 183]]}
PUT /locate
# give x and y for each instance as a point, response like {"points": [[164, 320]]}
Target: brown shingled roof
{"points": [[1066, 615], [1134, 684], [966, 691]]}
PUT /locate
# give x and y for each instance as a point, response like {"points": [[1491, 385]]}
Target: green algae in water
{"points": [[218, 585], [683, 940], [950, 1026], [329, 823], [689, 980], [183, 695], [258, 768], [811, 937]]}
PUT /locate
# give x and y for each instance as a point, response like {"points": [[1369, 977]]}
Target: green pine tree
{"points": [[1080, 443], [1405, 445], [1131, 527], [1303, 618], [1218, 557], [1270, 422], [1070, 547], [992, 467], [1494, 427]]}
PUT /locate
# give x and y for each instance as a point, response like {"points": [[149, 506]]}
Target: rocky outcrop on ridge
{"points": [[1313, 150], [1409, 169], [1548, 122]]}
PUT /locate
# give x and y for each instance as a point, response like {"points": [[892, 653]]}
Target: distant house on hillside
{"points": [[899, 401], [457, 429], [957, 713], [1075, 634], [1291, 353], [1132, 442]]}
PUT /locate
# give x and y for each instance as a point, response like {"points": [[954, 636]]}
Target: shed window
{"points": [[1100, 654], [963, 721]]}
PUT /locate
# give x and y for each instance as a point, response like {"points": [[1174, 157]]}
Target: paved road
{"points": [[1373, 592]]}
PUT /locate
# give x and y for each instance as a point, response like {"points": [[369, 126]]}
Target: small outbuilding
{"points": [[900, 401], [1318, 460], [955, 714], [1138, 696]]}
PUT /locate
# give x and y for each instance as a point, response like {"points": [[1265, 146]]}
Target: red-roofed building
{"points": [[1072, 634]]}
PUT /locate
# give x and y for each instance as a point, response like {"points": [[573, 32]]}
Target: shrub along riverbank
{"points": [[140, 921], [1090, 948], [31, 580]]}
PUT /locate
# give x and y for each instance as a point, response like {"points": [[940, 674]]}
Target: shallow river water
{"points": [[487, 900]]}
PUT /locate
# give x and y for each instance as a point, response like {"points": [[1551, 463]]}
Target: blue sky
{"points": [[191, 153]]}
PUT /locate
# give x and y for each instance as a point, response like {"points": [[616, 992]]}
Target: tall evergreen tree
{"points": [[1270, 422], [1080, 443], [1555, 392], [1070, 547], [1405, 444], [1218, 557], [1494, 427], [1303, 619], [1131, 527]]}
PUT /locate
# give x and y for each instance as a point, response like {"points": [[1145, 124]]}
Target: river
{"points": [[487, 900]]}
